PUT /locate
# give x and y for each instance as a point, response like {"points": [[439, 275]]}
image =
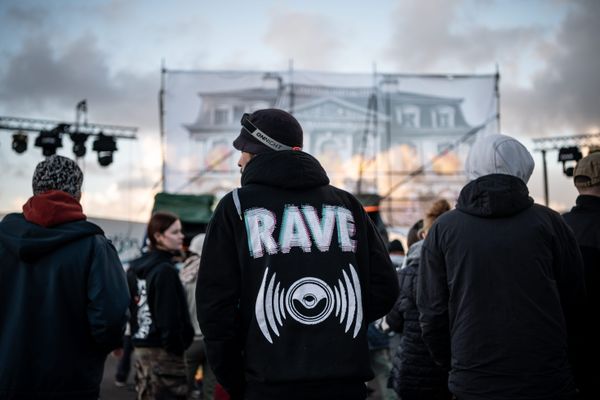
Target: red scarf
{"points": [[52, 208]]}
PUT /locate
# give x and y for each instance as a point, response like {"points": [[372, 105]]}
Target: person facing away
{"points": [[397, 253], [415, 375], [63, 293], [584, 219], [292, 272], [500, 284], [160, 323], [195, 355]]}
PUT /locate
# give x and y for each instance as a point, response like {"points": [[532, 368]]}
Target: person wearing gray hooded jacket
{"points": [[501, 284]]}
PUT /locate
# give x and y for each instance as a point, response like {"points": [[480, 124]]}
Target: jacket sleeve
{"points": [[432, 299], [570, 279], [383, 282], [172, 317], [218, 297], [395, 317], [108, 296], [407, 280]]}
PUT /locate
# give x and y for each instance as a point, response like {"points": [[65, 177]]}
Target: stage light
{"points": [[79, 143], [569, 155], [105, 146], [19, 143], [49, 141]]}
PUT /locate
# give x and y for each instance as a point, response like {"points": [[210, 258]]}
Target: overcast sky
{"points": [[58, 52]]}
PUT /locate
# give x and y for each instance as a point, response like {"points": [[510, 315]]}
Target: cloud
{"points": [[32, 16], [43, 82], [565, 96], [311, 40], [41, 78], [432, 37], [36, 75]]}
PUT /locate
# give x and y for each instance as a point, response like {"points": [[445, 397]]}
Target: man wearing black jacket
{"points": [[63, 293], [584, 219], [292, 272], [500, 286]]}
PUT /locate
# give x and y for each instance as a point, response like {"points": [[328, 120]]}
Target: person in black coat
{"points": [[160, 325], [292, 272], [501, 285], [414, 373], [63, 293], [584, 219]]}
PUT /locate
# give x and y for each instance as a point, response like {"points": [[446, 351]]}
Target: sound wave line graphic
{"points": [[309, 301]]}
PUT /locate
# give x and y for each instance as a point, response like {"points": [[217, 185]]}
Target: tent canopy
{"points": [[194, 210]]}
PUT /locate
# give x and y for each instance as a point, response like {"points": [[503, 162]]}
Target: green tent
{"points": [[194, 210]]}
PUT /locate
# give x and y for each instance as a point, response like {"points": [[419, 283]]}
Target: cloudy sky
{"points": [[58, 52]]}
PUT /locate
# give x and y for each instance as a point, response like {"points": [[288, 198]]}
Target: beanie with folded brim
{"points": [[279, 128]]}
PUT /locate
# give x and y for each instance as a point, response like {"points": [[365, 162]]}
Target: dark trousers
{"points": [[124, 365]]}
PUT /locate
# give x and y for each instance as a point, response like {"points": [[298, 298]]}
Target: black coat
{"points": [[287, 287], [584, 219], [500, 293], [159, 310], [414, 373], [63, 307]]}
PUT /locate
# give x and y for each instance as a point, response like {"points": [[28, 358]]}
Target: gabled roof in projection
{"points": [[354, 100], [360, 111], [258, 93]]}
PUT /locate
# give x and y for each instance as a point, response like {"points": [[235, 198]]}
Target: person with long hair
{"points": [[160, 322]]}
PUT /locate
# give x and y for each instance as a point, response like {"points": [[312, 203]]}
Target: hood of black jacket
{"points": [[289, 169], [30, 242], [147, 261], [494, 196]]}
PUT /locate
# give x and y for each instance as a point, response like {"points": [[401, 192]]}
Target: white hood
{"points": [[499, 154]]}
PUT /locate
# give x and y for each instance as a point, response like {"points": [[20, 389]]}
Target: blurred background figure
{"points": [[196, 361], [415, 375], [160, 324], [584, 219], [396, 253], [414, 233]]}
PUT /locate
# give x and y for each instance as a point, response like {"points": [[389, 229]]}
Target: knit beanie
{"points": [[267, 130], [57, 173]]}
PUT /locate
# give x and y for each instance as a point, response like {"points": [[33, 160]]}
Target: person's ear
{"points": [[158, 238]]}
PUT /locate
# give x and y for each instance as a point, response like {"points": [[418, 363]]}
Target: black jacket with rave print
{"points": [[292, 272]]}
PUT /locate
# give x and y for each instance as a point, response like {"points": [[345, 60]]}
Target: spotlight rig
{"points": [[50, 135]]}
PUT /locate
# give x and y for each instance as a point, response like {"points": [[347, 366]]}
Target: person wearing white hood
{"points": [[501, 286]]}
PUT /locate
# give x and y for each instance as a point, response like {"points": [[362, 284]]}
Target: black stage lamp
{"points": [[19, 143], [105, 146], [569, 155], [79, 143], [49, 141]]}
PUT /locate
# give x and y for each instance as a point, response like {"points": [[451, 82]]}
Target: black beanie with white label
{"points": [[280, 126]]}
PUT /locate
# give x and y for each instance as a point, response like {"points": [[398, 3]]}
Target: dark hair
{"points": [[396, 246], [413, 233], [159, 223]]}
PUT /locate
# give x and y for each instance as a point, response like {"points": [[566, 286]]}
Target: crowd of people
{"points": [[292, 293]]}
